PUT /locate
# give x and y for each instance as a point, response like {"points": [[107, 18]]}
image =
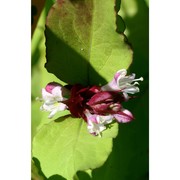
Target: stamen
{"points": [[136, 83], [39, 99], [140, 79], [132, 76], [41, 108], [99, 134]]}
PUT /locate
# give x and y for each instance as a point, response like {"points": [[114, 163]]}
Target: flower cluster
{"points": [[97, 105]]}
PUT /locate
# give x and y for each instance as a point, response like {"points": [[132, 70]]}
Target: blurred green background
{"points": [[129, 159]]}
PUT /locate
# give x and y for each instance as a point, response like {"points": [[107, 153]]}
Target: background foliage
{"points": [[129, 157]]}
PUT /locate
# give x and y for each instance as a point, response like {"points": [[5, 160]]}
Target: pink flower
{"points": [[123, 116], [123, 83], [53, 96], [96, 123]]}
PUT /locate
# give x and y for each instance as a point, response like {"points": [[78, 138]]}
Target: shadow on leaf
{"points": [[61, 119], [68, 65], [38, 36], [56, 177], [37, 173], [83, 175], [38, 166]]}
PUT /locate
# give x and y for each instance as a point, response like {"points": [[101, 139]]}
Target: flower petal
{"points": [[62, 107], [124, 116], [131, 89], [46, 95], [100, 97], [126, 96], [113, 85], [57, 93], [50, 86], [105, 119], [48, 107], [94, 128], [52, 113], [120, 74]]}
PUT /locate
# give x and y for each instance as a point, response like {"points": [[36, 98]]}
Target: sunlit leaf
{"points": [[64, 147]]}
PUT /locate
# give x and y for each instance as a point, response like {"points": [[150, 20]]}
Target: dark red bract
{"points": [[106, 102], [78, 99], [94, 100]]}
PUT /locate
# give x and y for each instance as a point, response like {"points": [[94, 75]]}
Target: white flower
{"points": [[96, 123], [53, 97], [95, 128], [123, 83]]}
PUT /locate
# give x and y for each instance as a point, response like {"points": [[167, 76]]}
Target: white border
{"points": [[15, 44], [164, 90], [15, 89]]}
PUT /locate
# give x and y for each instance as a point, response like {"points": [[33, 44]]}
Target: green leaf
{"points": [[64, 147], [82, 45]]}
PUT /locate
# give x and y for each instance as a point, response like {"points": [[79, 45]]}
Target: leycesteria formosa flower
{"points": [[97, 105], [53, 96], [123, 83], [96, 123]]}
